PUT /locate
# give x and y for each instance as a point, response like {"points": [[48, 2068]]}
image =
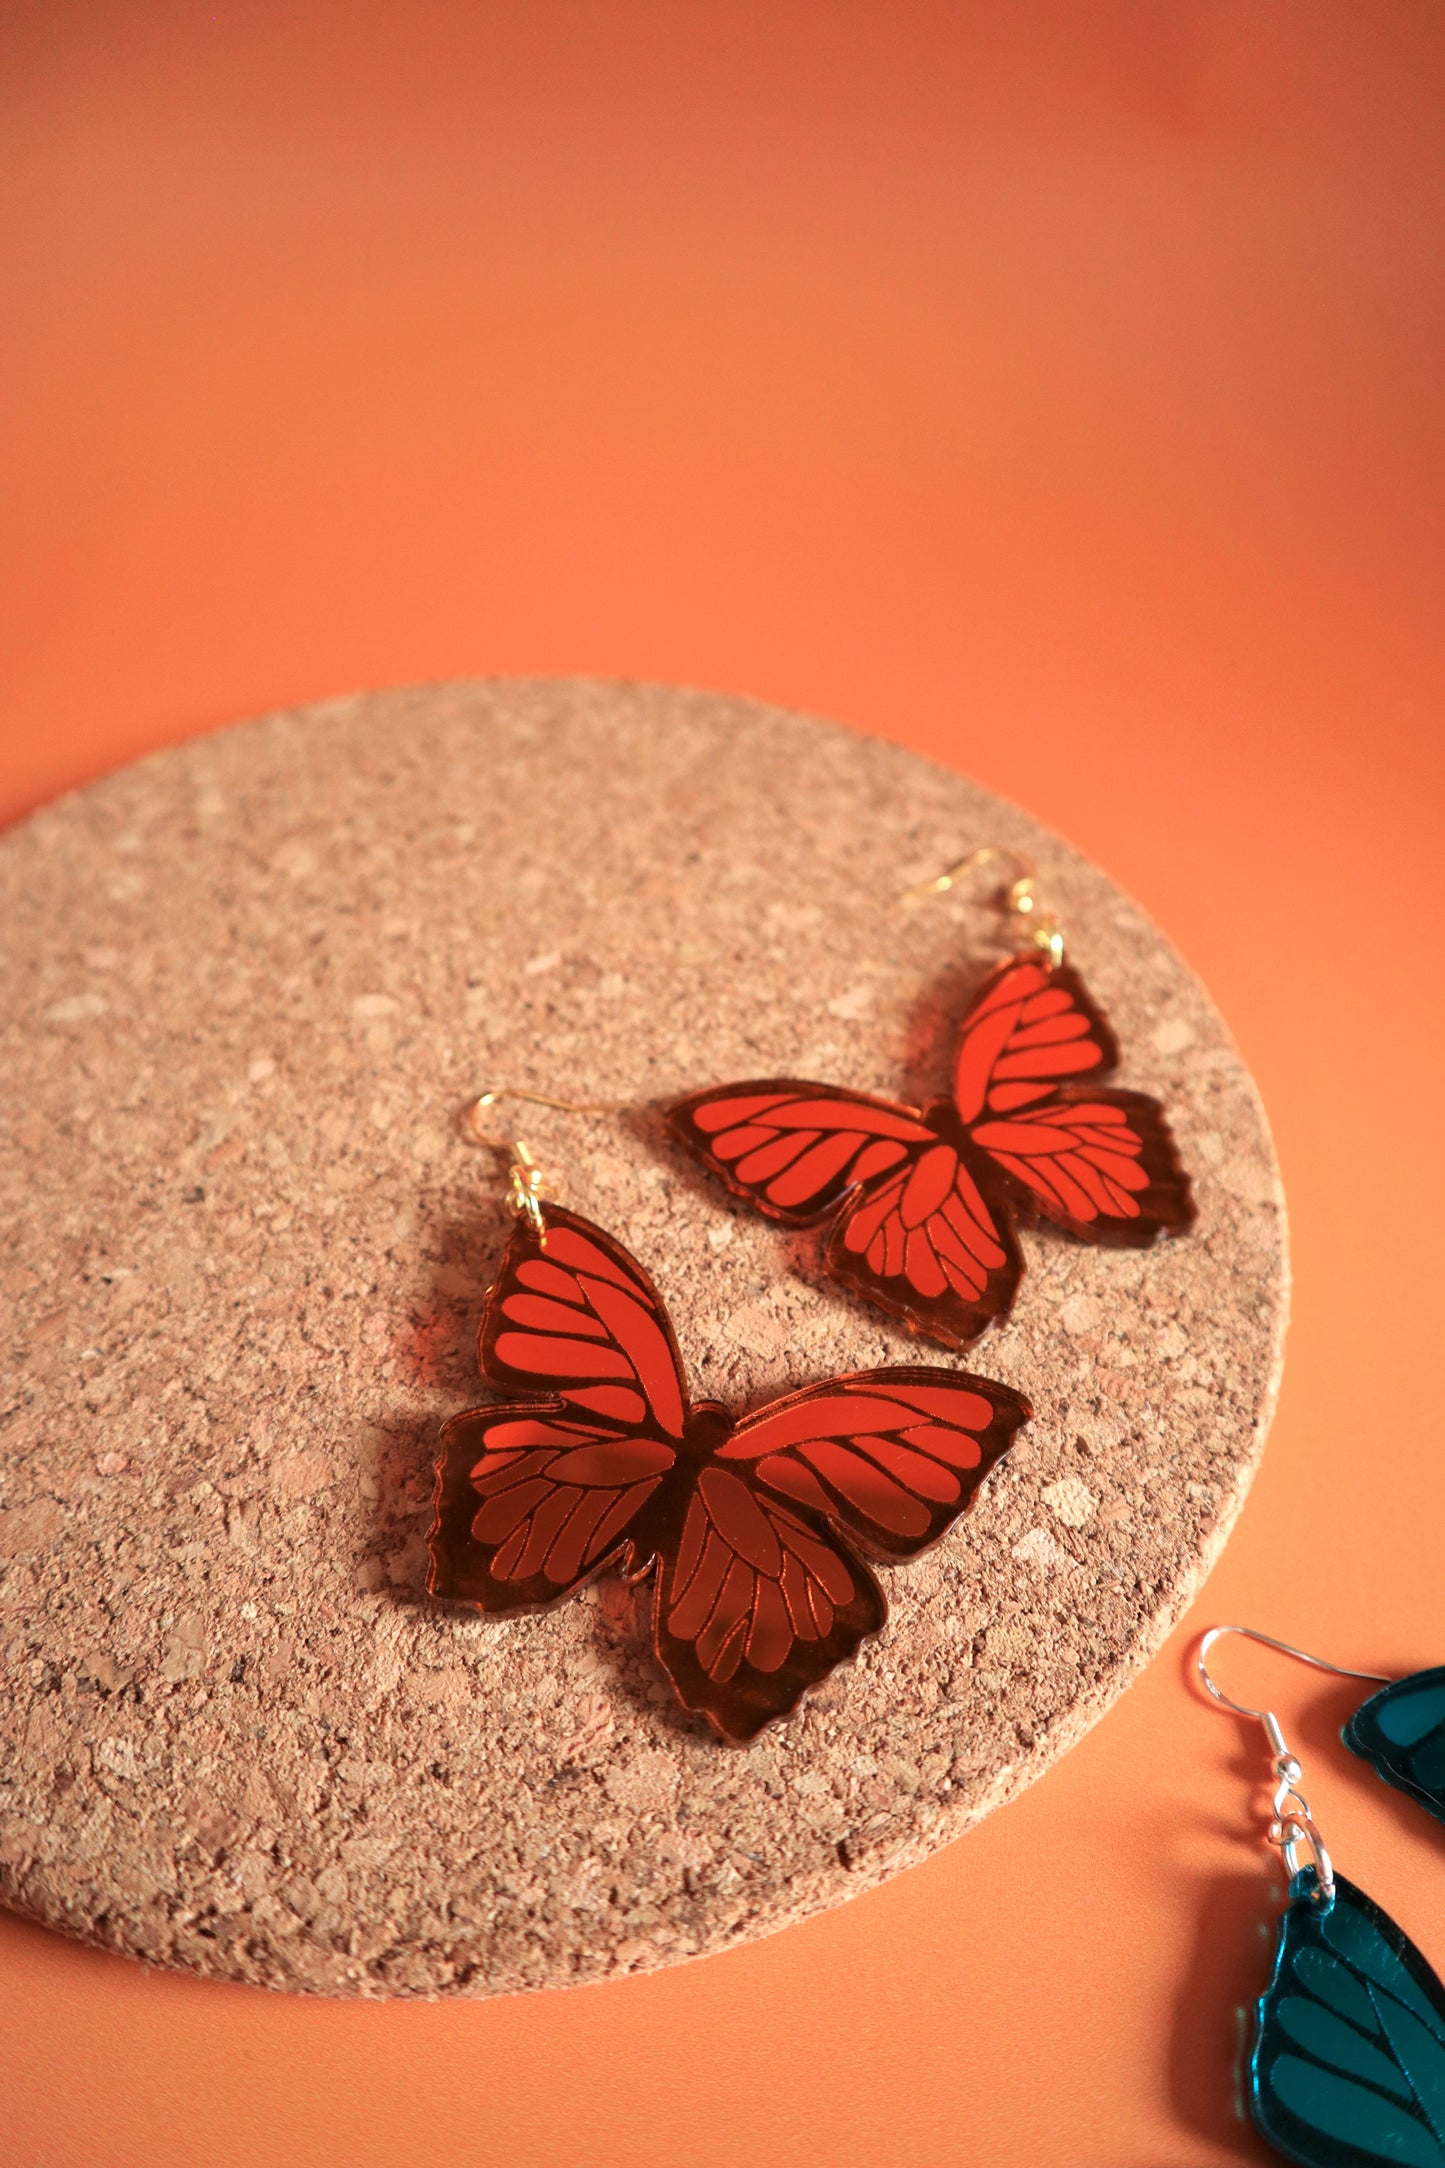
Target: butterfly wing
{"points": [[891, 1457], [1349, 2055], [1030, 1027], [1097, 1162], [530, 1505], [762, 1594], [917, 1235], [796, 1150], [927, 1244], [1402, 1731], [534, 1499], [755, 1605], [573, 1314]]}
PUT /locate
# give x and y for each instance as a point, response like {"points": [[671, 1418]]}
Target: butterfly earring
{"points": [[756, 1530], [1399, 1731], [1348, 2064], [927, 1202]]}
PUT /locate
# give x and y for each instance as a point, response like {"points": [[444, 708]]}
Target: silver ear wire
{"points": [[1285, 1648], [1293, 1824]]}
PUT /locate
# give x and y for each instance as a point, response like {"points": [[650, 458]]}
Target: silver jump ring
{"points": [[1297, 1833]]}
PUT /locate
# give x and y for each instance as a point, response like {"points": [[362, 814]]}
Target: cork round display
{"points": [[250, 985]]}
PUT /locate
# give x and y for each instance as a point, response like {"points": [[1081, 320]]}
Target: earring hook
{"points": [[1292, 1824], [1285, 1648], [942, 882], [1020, 896], [495, 1092], [526, 1183]]}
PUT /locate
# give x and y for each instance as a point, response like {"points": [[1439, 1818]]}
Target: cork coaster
{"points": [[249, 984]]}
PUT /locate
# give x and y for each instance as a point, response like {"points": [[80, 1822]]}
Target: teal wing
{"points": [[1349, 2056], [1402, 1731]]}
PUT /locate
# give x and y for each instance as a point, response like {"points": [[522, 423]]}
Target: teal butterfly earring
{"points": [[1348, 2065], [1402, 1731]]}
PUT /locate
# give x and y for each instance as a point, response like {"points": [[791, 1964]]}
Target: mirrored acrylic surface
{"points": [[1349, 2056], [1402, 1731]]}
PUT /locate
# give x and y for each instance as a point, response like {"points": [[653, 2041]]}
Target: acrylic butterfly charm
{"points": [[1402, 1731], [928, 1202], [755, 1531], [1349, 2057]]}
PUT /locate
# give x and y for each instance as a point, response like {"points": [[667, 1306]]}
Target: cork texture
{"points": [[249, 985]]}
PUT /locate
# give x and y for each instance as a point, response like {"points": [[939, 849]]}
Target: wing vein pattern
{"points": [[925, 1204], [760, 1535]]}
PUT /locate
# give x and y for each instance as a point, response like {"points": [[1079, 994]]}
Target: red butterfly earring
{"points": [[755, 1529], [928, 1202]]}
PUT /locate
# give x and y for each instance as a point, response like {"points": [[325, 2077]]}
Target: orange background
{"points": [[1055, 389]]}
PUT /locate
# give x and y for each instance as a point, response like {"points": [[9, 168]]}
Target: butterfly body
{"points": [[754, 1530], [927, 1202]]}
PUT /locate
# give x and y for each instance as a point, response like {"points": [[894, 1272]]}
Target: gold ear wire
{"points": [[540, 1099], [1020, 896], [527, 1185]]}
